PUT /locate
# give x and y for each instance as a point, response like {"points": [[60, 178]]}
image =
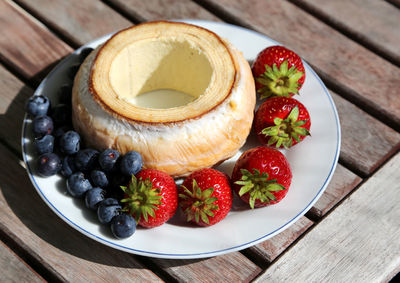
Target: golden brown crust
{"points": [[177, 155]]}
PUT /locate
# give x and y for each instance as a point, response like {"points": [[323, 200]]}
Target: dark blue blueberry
{"points": [[77, 185], [70, 142], [107, 209], [65, 94], [61, 114], [48, 164], [131, 163], [38, 105], [73, 70], [93, 198], [123, 226], [84, 53], [86, 159], [44, 144], [42, 125], [108, 159], [68, 166], [99, 178]]}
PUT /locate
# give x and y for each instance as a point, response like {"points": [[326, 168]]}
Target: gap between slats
{"points": [[353, 35]]}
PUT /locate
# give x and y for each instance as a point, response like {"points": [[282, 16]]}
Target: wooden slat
{"points": [[342, 183], [375, 23], [80, 21], [151, 10], [270, 249], [360, 73], [68, 254], [14, 269], [366, 142], [357, 242], [13, 96], [26, 44], [233, 267]]}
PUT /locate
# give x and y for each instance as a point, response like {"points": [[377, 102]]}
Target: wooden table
{"points": [[352, 234]]}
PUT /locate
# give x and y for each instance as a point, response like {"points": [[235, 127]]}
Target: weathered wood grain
{"points": [[359, 73], [14, 269], [342, 183], [357, 242], [69, 255], [366, 142], [272, 248], [26, 44], [233, 267], [151, 10], [13, 96], [80, 21], [374, 23]]}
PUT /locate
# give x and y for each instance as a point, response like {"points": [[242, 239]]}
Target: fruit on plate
{"points": [[123, 226], [205, 197], [151, 197], [282, 121], [261, 176], [192, 90], [94, 197], [78, 185], [42, 125], [48, 164], [278, 71], [44, 144], [131, 163], [37, 105], [107, 210]]}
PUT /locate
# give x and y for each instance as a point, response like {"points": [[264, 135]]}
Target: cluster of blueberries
{"points": [[92, 175]]}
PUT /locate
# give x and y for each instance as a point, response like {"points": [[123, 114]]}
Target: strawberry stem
{"points": [[279, 82], [258, 186], [285, 130]]}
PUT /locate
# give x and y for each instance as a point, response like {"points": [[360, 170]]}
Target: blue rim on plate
{"points": [[183, 255]]}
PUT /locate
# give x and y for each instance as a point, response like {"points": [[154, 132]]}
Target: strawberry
{"points": [[282, 121], [205, 197], [261, 176], [151, 197], [278, 71]]}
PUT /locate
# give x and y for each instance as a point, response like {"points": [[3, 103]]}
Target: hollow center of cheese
{"points": [[160, 73]]}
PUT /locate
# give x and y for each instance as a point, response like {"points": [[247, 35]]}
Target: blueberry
{"points": [[107, 209], [42, 125], [131, 163], [108, 159], [123, 226], [37, 105], [65, 94], [77, 185], [99, 178], [68, 166], [61, 114], [84, 53], [44, 144], [93, 198], [70, 142], [48, 164], [86, 159]]}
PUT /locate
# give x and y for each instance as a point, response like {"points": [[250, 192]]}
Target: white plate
{"points": [[313, 162]]}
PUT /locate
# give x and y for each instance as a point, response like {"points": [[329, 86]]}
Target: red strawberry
{"points": [[282, 121], [261, 176], [278, 71], [151, 197], [205, 197]]}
